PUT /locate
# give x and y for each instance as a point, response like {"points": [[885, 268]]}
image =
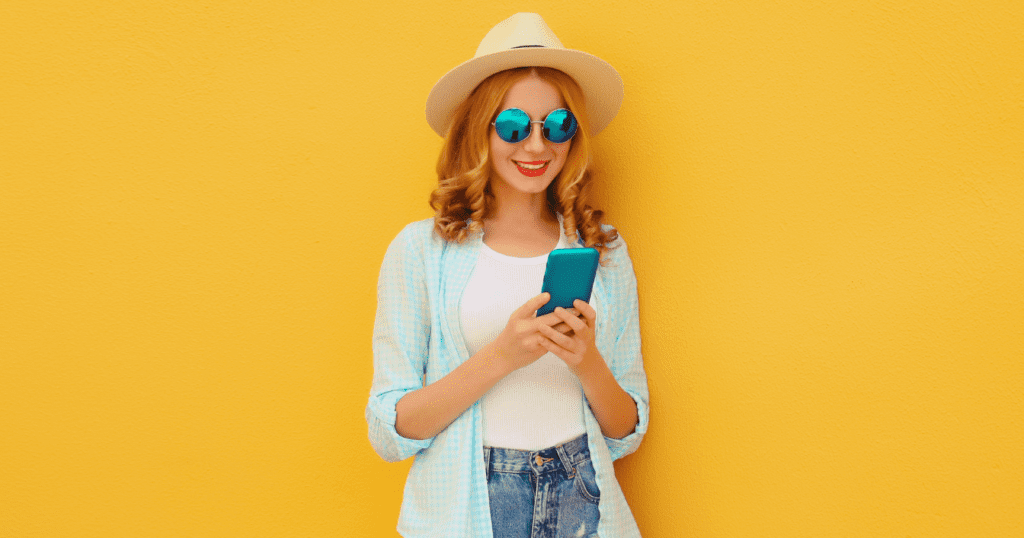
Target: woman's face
{"points": [[530, 165]]}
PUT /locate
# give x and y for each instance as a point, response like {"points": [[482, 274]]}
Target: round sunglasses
{"points": [[514, 125]]}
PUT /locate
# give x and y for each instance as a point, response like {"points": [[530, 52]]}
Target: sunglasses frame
{"points": [[529, 126]]}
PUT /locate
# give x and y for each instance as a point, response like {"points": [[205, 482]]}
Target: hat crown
{"points": [[518, 31], [524, 40]]}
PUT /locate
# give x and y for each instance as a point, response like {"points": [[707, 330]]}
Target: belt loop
{"points": [[570, 469], [487, 464]]}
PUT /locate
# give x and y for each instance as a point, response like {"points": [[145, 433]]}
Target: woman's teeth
{"points": [[531, 166]]}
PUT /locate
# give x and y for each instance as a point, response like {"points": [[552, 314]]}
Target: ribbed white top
{"points": [[539, 405]]}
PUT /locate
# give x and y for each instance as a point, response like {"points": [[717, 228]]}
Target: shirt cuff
{"points": [[386, 441], [618, 448]]}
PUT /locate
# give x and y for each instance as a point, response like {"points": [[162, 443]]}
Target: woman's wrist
{"points": [[592, 370], [494, 361]]}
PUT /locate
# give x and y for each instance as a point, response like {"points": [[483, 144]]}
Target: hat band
{"points": [[527, 46]]}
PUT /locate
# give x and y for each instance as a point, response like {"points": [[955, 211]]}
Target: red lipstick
{"points": [[532, 173]]}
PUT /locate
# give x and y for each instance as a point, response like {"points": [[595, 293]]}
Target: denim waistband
{"points": [[560, 457]]}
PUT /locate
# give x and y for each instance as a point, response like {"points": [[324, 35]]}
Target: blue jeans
{"points": [[550, 493]]}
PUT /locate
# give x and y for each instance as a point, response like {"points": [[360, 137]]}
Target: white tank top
{"points": [[536, 406]]}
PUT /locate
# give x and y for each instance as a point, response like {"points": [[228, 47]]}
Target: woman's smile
{"points": [[532, 169]]}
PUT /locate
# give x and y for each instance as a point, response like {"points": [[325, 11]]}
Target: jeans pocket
{"points": [[586, 482]]}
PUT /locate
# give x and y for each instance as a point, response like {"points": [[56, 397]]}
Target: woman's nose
{"points": [[535, 140]]}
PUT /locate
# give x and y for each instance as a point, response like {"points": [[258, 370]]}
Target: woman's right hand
{"points": [[519, 343]]}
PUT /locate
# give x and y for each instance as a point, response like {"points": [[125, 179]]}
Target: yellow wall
{"points": [[824, 201]]}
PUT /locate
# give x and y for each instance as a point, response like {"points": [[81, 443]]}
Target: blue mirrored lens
{"points": [[559, 126], [512, 125]]}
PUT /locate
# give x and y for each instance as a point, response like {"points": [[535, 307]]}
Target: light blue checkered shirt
{"points": [[417, 331]]}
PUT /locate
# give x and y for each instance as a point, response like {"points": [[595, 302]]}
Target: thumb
{"points": [[526, 311]]}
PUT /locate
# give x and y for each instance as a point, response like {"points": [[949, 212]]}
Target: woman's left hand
{"points": [[577, 349]]}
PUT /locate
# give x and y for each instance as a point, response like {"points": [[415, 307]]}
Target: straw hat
{"points": [[522, 40]]}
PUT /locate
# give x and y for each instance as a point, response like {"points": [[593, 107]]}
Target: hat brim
{"points": [[601, 84]]}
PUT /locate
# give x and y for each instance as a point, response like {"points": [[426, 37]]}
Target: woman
{"points": [[514, 418]]}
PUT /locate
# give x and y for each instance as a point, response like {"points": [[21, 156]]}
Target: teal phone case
{"points": [[569, 276]]}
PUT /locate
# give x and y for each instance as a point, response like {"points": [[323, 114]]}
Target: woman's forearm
{"points": [[426, 412], [613, 407]]}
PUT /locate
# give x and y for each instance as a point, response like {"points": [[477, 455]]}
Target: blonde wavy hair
{"points": [[463, 196]]}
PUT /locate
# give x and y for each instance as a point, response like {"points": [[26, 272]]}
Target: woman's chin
{"points": [[539, 188], [529, 185]]}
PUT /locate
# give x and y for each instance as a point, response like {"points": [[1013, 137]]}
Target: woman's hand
{"points": [[577, 349], [520, 343]]}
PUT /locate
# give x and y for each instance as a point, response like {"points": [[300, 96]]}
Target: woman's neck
{"points": [[521, 225], [512, 206]]}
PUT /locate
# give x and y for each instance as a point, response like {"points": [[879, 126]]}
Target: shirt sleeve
{"points": [[625, 360], [401, 335]]}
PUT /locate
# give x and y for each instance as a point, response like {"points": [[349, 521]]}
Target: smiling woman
{"points": [[473, 151], [514, 418]]}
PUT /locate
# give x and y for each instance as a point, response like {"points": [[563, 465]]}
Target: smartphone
{"points": [[569, 276]]}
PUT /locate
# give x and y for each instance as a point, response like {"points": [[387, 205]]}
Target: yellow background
{"points": [[824, 202]]}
